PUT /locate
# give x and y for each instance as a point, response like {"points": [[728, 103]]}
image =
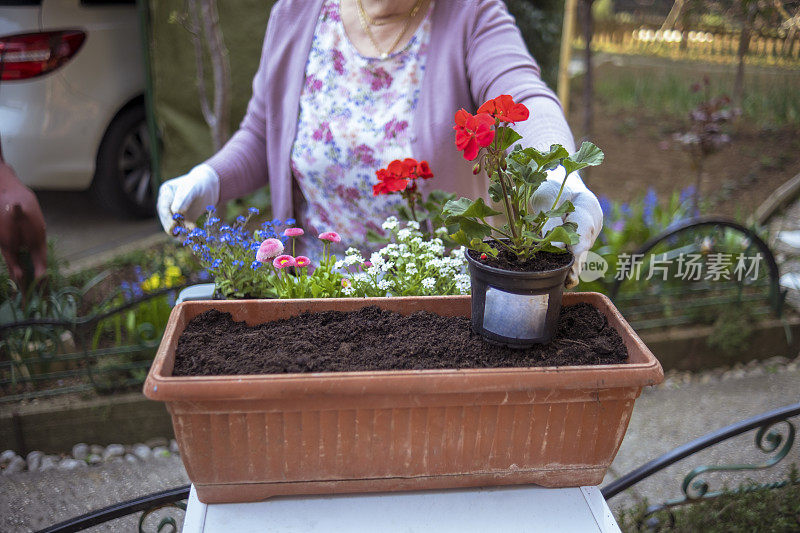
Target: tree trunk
{"points": [[221, 71], [741, 52], [588, 79], [205, 29], [672, 17]]}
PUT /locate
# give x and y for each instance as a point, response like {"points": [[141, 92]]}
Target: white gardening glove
{"points": [[188, 195], [587, 215]]}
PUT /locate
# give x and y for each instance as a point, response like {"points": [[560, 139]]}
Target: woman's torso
{"points": [[356, 115]]}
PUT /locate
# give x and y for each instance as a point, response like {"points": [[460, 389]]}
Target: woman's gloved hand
{"points": [[188, 195], [587, 215]]}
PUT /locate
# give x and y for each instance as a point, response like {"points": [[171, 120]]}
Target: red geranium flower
{"points": [[393, 178], [473, 132], [423, 170], [505, 109], [399, 175]]}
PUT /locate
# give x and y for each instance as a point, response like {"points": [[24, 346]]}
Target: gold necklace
{"points": [[388, 20], [362, 16]]}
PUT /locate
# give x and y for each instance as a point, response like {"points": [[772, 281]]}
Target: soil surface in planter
{"points": [[375, 339], [540, 262]]}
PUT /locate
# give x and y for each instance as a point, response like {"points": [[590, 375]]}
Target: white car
{"points": [[72, 113]]}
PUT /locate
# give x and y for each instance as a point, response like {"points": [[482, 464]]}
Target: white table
{"points": [[513, 509]]}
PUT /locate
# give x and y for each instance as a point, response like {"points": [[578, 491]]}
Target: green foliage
{"points": [[540, 24], [745, 510], [733, 326], [771, 98]]}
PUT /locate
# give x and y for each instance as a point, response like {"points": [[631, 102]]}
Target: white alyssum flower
{"points": [[462, 283], [338, 264], [385, 285], [411, 268], [441, 232], [388, 265], [429, 283], [351, 260], [412, 224], [376, 258], [347, 291], [390, 223]]}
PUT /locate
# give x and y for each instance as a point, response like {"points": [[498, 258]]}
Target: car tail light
{"points": [[28, 55]]}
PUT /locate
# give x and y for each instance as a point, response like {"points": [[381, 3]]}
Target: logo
{"points": [[593, 266]]}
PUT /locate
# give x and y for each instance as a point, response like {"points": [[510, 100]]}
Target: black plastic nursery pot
{"points": [[517, 309]]}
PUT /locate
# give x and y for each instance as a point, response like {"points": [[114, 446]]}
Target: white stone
{"points": [[142, 451], [97, 449], [113, 450], [15, 465], [49, 462], [34, 460], [81, 451], [94, 459], [131, 458], [161, 451], [7, 456], [173, 446], [71, 464]]}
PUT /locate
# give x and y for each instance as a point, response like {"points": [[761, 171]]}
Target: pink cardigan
{"points": [[476, 52]]}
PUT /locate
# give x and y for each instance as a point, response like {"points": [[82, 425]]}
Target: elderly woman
{"points": [[346, 86]]}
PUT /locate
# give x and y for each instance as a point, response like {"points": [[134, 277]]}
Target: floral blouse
{"points": [[355, 117]]}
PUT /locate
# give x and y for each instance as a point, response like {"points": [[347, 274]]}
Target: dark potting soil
{"points": [[374, 339], [540, 262]]}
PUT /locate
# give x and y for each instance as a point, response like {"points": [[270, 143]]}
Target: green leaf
{"points": [[547, 247], [534, 179], [460, 237], [496, 192], [564, 233], [436, 199], [588, 155], [535, 220], [404, 213], [480, 246], [506, 137], [539, 160], [474, 229], [562, 210], [552, 158], [455, 210]]}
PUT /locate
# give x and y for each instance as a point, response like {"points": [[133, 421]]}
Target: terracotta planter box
{"points": [[246, 438]]}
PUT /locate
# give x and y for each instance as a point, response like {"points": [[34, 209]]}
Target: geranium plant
{"points": [[514, 178]]}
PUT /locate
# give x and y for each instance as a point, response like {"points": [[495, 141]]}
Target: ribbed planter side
{"points": [[246, 438]]}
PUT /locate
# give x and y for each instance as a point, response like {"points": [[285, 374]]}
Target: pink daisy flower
{"points": [[331, 236], [294, 232], [284, 261], [302, 261], [269, 248]]}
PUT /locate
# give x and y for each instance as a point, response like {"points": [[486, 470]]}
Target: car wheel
{"points": [[122, 182]]}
